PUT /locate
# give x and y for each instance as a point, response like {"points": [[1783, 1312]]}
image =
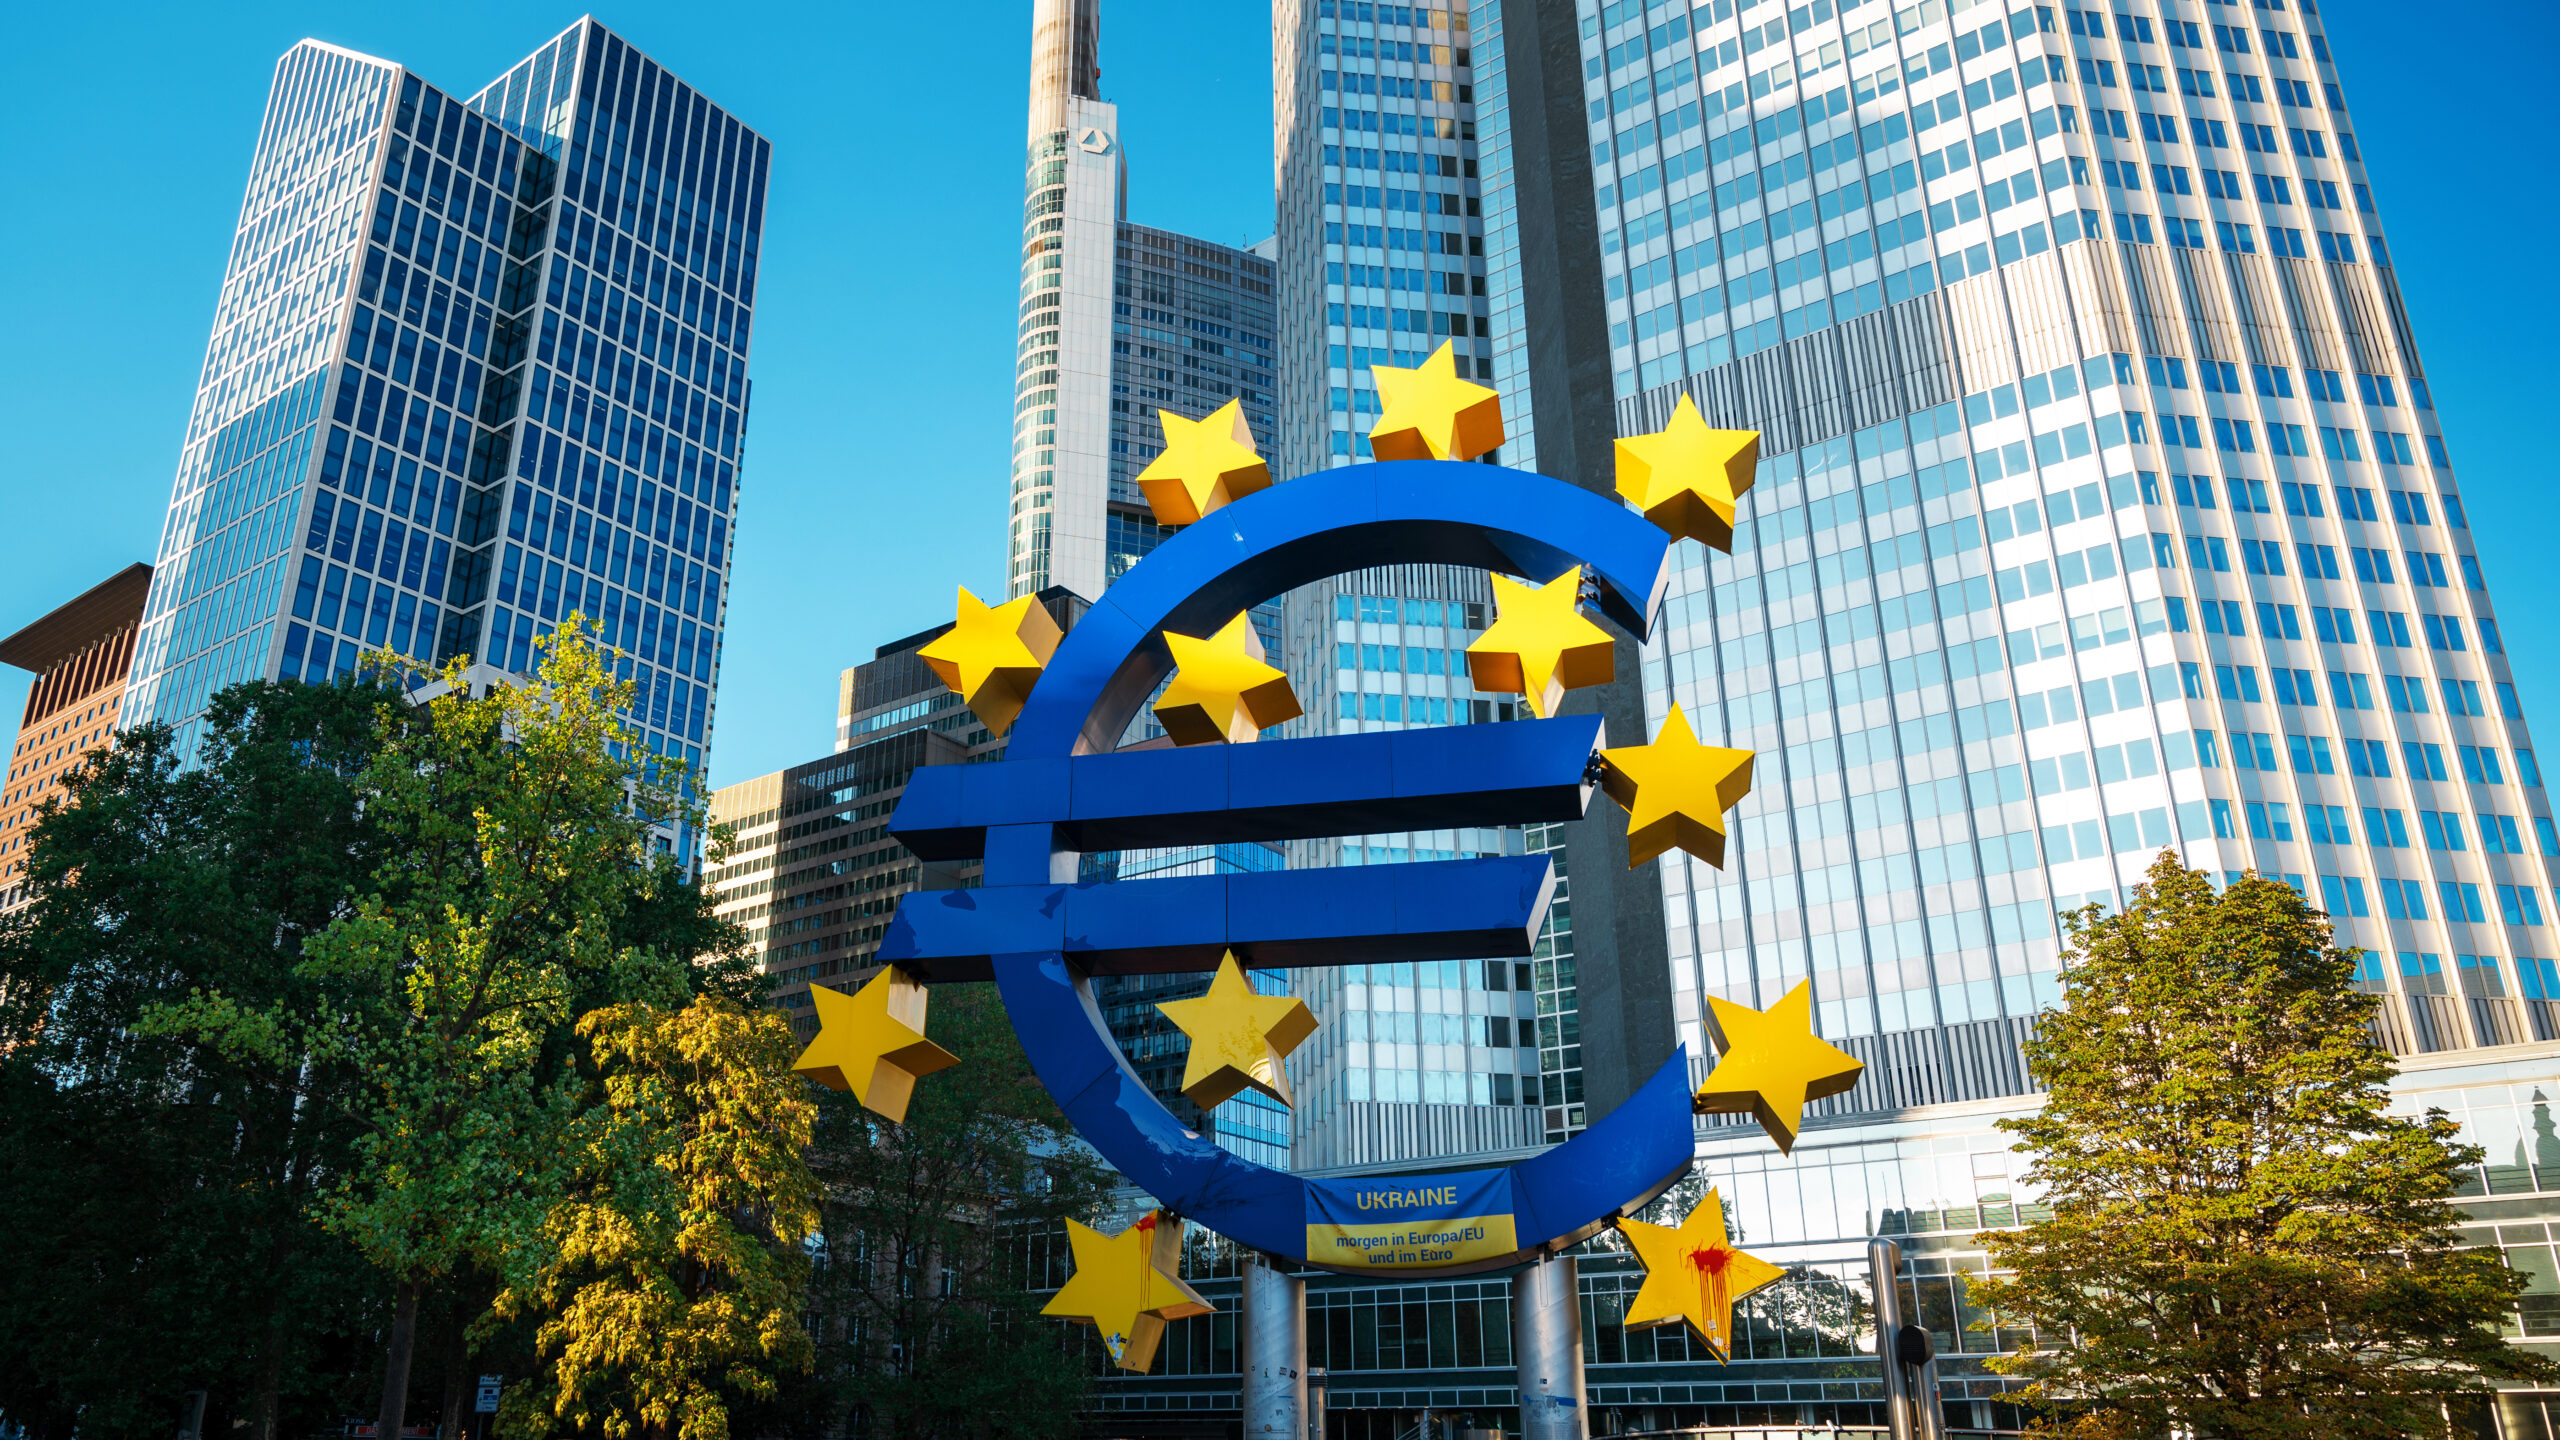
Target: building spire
{"points": [[1066, 60]]}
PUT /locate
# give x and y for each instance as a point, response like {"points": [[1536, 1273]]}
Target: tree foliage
{"points": [[510, 830], [2244, 1242], [382, 1010], [674, 1279], [934, 1232], [156, 1193]]}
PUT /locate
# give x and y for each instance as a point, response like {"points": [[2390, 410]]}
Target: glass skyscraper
{"points": [[477, 363], [2103, 507], [1118, 320], [1381, 239]]}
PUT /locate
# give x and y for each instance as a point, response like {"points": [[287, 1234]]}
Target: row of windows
{"points": [[2459, 902], [1799, 163], [699, 529], [676, 170], [657, 636], [1406, 1027], [1394, 709], [620, 345], [1390, 610], [2408, 507], [1441, 1087], [2239, 437]]}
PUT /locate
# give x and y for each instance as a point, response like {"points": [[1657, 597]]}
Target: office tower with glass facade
{"points": [[1118, 321], [80, 654], [2103, 507], [1382, 260], [478, 364]]}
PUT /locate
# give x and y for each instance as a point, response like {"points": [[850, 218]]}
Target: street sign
{"points": [[488, 1402]]}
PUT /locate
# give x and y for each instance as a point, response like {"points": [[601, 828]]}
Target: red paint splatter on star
{"points": [[1712, 1260]]}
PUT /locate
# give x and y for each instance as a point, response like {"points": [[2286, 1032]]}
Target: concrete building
{"points": [[79, 653]]}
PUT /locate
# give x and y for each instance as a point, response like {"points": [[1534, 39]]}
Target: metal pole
{"points": [[1546, 1340], [1903, 1352], [1925, 1401], [1275, 1353], [1884, 1270], [1315, 1404]]}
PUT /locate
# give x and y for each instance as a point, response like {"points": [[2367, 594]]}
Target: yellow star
{"points": [[1127, 1285], [994, 655], [1694, 1273], [1686, 478], [1205, 464], [1238, 1038], [1772, 1064], [872, 1043], [1676, 791], [1540, 644], [1431, 414], [1221, 689]]}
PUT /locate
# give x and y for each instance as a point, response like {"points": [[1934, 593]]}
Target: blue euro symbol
{"points": [[1060, 792]]}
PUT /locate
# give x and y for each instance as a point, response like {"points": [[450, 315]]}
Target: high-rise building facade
{"points": [[2092, 419], [478, 364], [80, 653], [2103, 508], [1382, 260], [1118, 320]]}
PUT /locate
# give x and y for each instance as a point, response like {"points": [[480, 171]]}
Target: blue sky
{"points": [[876, 476]]}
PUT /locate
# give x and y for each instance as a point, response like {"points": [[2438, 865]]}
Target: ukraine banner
{"points": [[1410, 1222]]}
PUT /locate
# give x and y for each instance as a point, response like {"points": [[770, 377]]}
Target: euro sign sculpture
{"points": [[1061, 791]]}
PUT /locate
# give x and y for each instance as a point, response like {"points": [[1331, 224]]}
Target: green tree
{"points": [[2244, 1242], [515, 841], [155, 1190], [935, 1232], [673, 1285]]}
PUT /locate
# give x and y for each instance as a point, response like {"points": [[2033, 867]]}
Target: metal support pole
{"points": [[1884, 1269], [1546, 1339], [1315, 1404], [1904, 1352], [1275, 1353]]}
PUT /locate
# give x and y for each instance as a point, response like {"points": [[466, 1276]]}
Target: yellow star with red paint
{"points": [[1206, 463], [1127, 1286], [1694, 1274], [1540, 643], [1428, 413], [994, 654], [1772, 1064], [1686, 477], [1221, 689], [1676, 791]]}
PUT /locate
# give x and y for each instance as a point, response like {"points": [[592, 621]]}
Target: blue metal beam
{"points": [[1464, 775], [1355, 915]]}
